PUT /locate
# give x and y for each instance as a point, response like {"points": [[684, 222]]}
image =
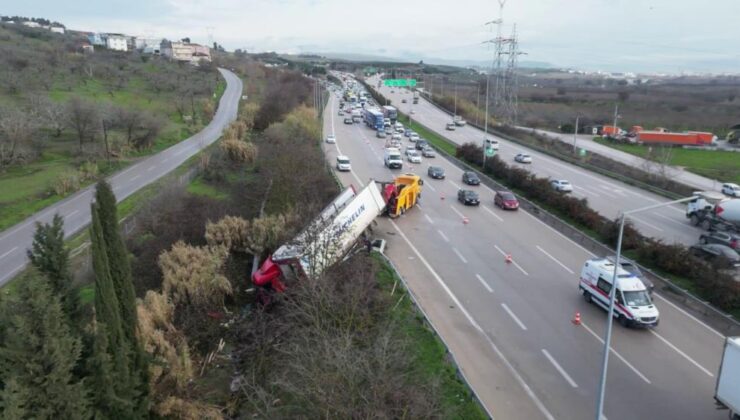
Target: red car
{"points": [[506, 200]]}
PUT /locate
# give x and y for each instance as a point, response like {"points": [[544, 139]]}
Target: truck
{"points": [[727, 390], [714, 211], [390, 113], [458, 120], [671, 139], [356, 115], [401, 194], [392, 158], [416, 96], [373, 118]]}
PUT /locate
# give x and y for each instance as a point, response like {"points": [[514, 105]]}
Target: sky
{"points": [[656, 36]]}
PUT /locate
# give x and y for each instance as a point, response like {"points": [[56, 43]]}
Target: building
{"points": [[57, 29], [184, 51], [117, 42], [97, 39], [147, 45], [31, 24]]}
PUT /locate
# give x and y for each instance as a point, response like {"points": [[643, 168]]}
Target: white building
{"points": [[116, 42], [143, 43], [57, 29], [31, 24], [183, 51]]}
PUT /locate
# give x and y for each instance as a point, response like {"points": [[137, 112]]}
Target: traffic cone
{"points": [[465, 220], [577, 319], [508, 258], [441, 196]]}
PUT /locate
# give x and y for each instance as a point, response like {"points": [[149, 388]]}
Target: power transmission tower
{"points": [[503, 68]]}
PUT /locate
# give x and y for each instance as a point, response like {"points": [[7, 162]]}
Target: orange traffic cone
{"points": [[465, 220], [441, 196], [577, 319], [508, 258]]}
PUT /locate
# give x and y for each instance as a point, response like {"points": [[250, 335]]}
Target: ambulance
{"points": [[632, 307]]}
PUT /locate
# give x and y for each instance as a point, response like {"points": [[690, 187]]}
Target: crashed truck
{"points": [[335, 232]]}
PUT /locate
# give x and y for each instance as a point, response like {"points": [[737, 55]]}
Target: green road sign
{"points": [[490, 152], [400, 82], [582, 152]]}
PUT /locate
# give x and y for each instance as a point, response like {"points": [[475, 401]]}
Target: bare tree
{"points": [[51, 114], [17, 129], [82, 117], [108, 121]]}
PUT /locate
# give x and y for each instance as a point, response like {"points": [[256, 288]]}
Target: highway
{"points": [[508, 325], [607, 196], [76, 208]]}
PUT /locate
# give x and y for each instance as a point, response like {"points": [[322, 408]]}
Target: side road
{"points": [[76, 208]]}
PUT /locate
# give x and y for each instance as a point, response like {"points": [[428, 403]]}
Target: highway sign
{"points": [[490, 151], [400, 82], [581, 152]]}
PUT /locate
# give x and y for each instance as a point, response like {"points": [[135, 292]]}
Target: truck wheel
{"points": [[587, 296], [706, 224], [694, 219], [623, 321]]}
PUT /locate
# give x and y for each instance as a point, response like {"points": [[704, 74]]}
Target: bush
{"points": [[89, 171], [66, 183], [238, 151]]}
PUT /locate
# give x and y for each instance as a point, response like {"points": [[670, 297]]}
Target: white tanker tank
{"points": [[711, 210]]}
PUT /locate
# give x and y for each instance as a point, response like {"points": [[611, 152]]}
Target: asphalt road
{"points": [[76, 208], [508, 325], [605, 195]]}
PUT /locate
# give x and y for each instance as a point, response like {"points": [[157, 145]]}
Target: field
{"points": [[715, 164]]}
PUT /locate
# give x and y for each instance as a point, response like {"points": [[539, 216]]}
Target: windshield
{"points": [[508, 197], [343, 161], [638, 298]]}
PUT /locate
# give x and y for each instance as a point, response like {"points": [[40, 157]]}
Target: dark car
{"points": [[470, 178], [506, 200], [632, 268], [722, 238], [348, 121], [436, 172], [421, 144], [468, 197], [715, 252]]}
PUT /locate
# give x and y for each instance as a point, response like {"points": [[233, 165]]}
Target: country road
{"points": [[76, 208]]}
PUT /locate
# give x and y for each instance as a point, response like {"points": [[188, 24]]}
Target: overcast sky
{"points": [[619, 35]]}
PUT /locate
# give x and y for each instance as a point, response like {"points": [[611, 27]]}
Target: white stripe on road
{"points": [[512, 261], [676, 307], [492, 213], [11, 273], [511, 314], [429, 219], [483, 282], [555, 259], [8, 253], [443, 235], [70, 214], [669, 219], [426, 184], [587, 191], [686, 356], [459, 255], [648, 224], [137, 176], [457, 211], [560, 234], [560, 369], [150, 168], [619, 356], [455, 185]]}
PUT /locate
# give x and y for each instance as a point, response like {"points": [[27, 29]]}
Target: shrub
{"points": [[238, 151], [89, 171], [66, 183]]}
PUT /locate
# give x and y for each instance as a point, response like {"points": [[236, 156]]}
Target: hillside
{"points": [[67, 117]]}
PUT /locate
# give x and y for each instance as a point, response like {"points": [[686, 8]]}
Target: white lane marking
{"points": [[17, 228], [560, 369], [459, 255], [686, 356], [669, 219], [70, 214], [149, 168], [492, 213], [698, 321], [8, 253], [179, 152], [428, 185], [587, 191], [511, 314], [484, 283], [561, 235], [457, 211], [12, 272], [137, 176], [454, 184], [648, 224], [619, 356], [555, 259], [472, 321], [165, 160], [443, 235], [429, 219], [512, 261]]}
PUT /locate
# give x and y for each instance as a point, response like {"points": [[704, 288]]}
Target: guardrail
{"points": [[702, 310]]}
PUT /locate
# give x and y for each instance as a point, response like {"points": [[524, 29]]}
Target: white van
{"points": [[343, 163], [392, 158], [633, 306]]}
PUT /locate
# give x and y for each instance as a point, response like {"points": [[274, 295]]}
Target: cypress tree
{"points": [[106, 404], [51, 258], [39, 354]]}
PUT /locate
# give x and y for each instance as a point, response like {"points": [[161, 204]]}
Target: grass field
{"points": [[715, 164]]}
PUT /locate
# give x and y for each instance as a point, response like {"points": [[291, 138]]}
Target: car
{"points": [[388, 130], [341, 113], [428, 152], [713, 252], [633, 269], [403, 101], [436, 172], [506, 200], [723, 238], [407, 132], [470, 178], [421, 144], [349, 121], [523, 158], [413, 156], [343, 163], [414, 137], [380, 134], [468, 197], [450, 126], [561, 185], [331, 139], [733, 190], [397, 136]]}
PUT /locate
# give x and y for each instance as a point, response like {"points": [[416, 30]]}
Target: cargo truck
{"points": [[373, 118], [727, 390], [416, 97], [391, 113], [671, 139], [714, 211]]}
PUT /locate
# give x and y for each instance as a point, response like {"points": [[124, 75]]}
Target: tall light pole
{"points": [[616, 116], [612, 295], [575, 134]]}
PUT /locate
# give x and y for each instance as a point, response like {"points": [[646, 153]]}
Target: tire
{"points": [[706, 224], [587, 296], [623, 321], [694, 219], [703, 241]]}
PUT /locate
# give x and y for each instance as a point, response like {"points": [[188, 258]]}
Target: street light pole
{"points": [[575, 134], [612, 295]]}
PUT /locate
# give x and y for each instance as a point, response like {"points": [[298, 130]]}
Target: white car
{"points": [[561, 185], [343, 163], [523, 158], [450, 126], [413, 156], [733, 190], [396, 136], [331, 139], [413, 137], [428, 152]]}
